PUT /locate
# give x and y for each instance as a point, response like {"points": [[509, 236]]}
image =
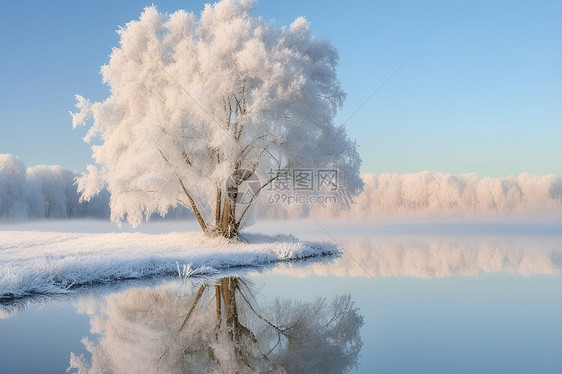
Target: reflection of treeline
{"points": [[220, 329], [435, 257]]}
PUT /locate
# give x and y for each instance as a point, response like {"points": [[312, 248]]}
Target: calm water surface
{"points": [[410, 300]]}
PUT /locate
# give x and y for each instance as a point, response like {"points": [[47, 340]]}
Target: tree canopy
{"points": [[199, 105]]}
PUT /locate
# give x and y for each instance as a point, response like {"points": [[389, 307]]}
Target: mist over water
{"points": [[438, 256]]}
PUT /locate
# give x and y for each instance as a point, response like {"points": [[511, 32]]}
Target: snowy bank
{"points": [[34, 262]]}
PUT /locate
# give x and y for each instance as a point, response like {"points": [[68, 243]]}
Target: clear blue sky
{"points": [[482, 92]]}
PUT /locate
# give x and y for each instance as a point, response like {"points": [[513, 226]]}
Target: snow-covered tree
{"points": [[44, 191], [12, 187], [200, 106], [56, 187]]}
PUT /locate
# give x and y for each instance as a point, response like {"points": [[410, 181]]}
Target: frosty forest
{"points": [[50, 192]]}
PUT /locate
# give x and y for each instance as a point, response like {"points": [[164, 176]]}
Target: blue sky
{"points": [[482, 92]]}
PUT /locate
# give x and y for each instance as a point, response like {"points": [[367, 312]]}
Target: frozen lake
{"points": [[422, 298]]}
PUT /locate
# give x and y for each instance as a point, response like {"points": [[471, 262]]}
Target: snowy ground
{"points": [[54, 257]]}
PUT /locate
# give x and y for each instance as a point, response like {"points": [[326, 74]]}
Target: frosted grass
{"points": [[43, 263]]}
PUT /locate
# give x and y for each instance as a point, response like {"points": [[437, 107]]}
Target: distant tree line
{"points": [[51, 192], [44, 191]]}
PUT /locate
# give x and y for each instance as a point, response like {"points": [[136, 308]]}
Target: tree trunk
{"points": [[229, 228], [218, 208]]}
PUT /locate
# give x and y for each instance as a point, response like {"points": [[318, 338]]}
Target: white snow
{"points": [[41, 262]]}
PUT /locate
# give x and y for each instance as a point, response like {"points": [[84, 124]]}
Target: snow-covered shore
{"points": [[44, 262]]}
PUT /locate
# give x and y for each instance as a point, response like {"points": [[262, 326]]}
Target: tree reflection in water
{"points": [[219, 329]]}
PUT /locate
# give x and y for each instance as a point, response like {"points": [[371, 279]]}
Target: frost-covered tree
{"points": [[12, 187], [200, 106], [44, 191], [56, 187]]}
